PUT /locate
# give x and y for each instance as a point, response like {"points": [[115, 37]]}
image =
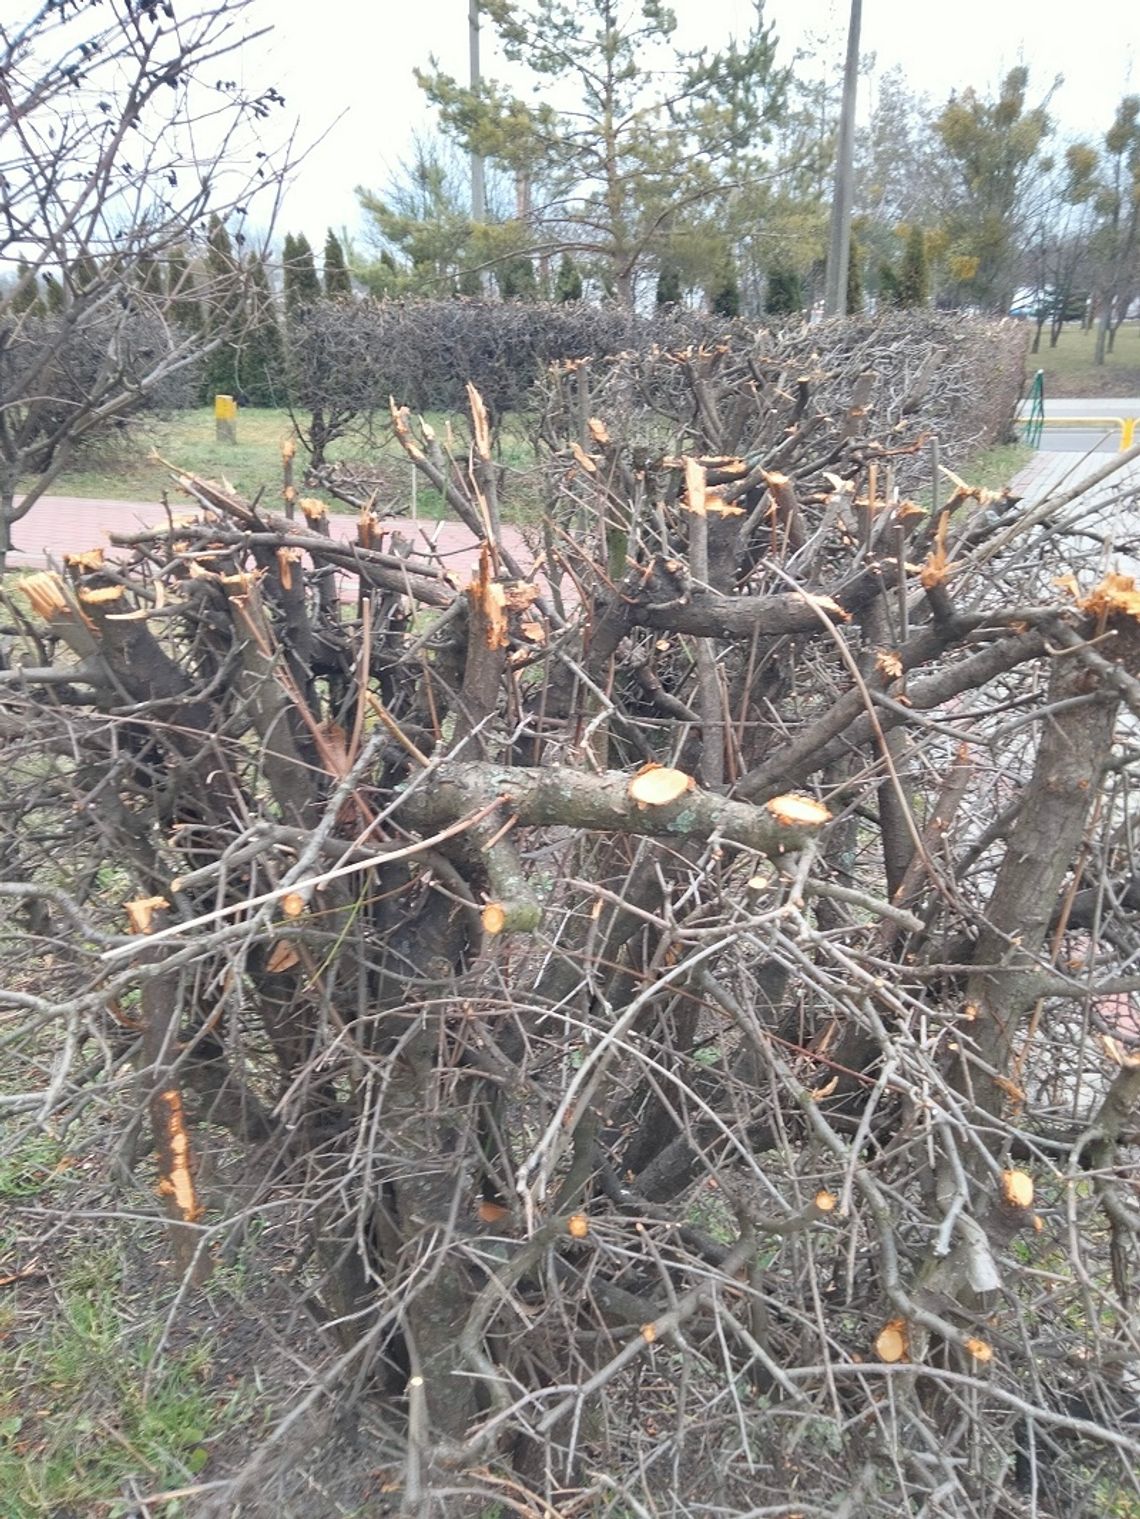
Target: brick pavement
{"points": [[58, 525]]}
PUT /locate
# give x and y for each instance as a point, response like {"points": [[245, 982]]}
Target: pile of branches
{"points": [[676, 993]]}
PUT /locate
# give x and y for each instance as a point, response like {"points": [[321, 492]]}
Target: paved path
{"points": [[59, 525], [1103, 437]]}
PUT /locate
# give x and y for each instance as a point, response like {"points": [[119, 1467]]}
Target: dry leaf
{"points": [[817, 1094], [282, 957], [492, 1213], [141, 911], [657, 785], [598, 430]]}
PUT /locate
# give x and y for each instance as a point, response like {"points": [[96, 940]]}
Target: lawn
{"points": [[126, 470], [130, 468], [1070, 371]]}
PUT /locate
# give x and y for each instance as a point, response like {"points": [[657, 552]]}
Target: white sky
{"points": [[356, 57]]}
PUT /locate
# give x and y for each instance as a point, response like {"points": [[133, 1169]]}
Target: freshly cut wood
{"points": [[44, 592], [293, 904], [1017, 1188], [937, 565], [1116, 595], [825, 1201], [494, 918], [86, 559], [893, 1342], [796, 810], [980, 1350], [658, 785], [578, 1225]]}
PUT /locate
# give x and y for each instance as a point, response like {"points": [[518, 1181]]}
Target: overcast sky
{"points": [[353, 60]]}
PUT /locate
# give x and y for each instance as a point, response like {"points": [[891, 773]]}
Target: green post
{"points": [[1036, 421]]}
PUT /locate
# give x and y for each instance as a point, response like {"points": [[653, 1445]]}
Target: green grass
{"points": [[187, 440], [127, 469], [1070, 371], [996, 466], [85, 1408]]}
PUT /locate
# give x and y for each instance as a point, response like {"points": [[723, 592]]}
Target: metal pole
{"points": [[839, 245], [478, 187]]}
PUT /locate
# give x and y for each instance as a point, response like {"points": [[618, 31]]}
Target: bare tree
{"points": [[115, 145], [678, 1003]]}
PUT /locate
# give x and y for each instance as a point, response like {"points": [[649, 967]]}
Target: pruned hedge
{"points": [[961, 376]]}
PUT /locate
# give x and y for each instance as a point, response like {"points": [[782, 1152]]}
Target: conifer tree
{"points": [[567, 282], [914, 277], [337, 280]]}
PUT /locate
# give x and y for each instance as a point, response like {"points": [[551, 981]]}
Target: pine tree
{"points": [[25, 296], [888, 286], [225, 314], [854, 303], [668, 286], [516, 281], [337, 279], [914, 278], [261, 362], [724, 297], [785, 292], [182, 291], [302, 287], [148, 273], [54, 297], [567, 282]]}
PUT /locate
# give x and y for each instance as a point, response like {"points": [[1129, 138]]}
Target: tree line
{"points": [[665, 174]]}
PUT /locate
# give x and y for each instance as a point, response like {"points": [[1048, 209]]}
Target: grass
{"points": [[86, 1410], [1070, 371], [129, 471], [187, 439]]}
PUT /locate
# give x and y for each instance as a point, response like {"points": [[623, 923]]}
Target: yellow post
{"points": [[1127, 432], [225, 419]]}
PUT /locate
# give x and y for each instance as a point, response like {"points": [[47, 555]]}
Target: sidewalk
{"points": [[59, 525]]}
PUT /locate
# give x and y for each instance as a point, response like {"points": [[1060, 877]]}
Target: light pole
{"points": [[839, 244], [478, 188]]}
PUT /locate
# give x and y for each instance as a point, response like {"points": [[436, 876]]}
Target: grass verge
{"points": [[1070, 371]]}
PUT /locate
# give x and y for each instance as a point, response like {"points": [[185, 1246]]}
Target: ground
{"points": [[1070, 371], [119, 1391]]}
